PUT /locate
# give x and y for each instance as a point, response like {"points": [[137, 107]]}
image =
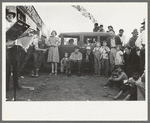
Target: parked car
{"points": [[80, 38]]}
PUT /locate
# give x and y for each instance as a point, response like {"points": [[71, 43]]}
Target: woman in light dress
{"points": [[53, 53]]}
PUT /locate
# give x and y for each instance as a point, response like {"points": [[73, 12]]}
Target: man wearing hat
{"points": [[76, 59], [133, 39], [10, 15], [11, 52], [110, 28]]}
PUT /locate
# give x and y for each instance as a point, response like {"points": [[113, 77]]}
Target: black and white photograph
{"points": [[93, 54]]}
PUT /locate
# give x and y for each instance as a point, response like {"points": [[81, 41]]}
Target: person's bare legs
{"points": [[119, 94], [127, 97], [52, 67], [55, 68]]}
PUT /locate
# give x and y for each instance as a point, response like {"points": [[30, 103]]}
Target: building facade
{"points": [[29, 15]]}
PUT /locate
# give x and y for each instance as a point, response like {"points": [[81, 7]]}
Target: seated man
{"points": [[130, 85], [117, 78], [76, 58]]}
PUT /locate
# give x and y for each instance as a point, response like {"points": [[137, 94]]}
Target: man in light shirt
{"points": [[113, 41], [140, 43], [122, 37]]}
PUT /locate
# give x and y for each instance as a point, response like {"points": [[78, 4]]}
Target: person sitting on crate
{"points": [[117, 78], [88, 60], [76, 59], [65, 64]]}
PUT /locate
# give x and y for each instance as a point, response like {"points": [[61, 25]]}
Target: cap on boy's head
{"points": [[121, 30], [104, 41], [76, 47], [88, 48], [128, 47]]}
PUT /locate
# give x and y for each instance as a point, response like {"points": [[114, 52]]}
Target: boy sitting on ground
{"points": [[65, 64], [117, 78], [130, 85]]}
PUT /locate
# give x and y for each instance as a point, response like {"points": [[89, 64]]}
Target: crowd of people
{"points": [[127, 62], [123, 62]]}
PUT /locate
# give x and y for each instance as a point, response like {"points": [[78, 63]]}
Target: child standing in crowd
{"points": [[97, 59], [105, 62], [119, 60], [117, 77], [65, 64], [88, 60], [53, 54]]}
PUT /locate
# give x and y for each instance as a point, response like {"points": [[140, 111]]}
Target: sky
{"points": [[64, 18]]}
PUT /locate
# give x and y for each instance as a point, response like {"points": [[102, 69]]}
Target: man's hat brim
{"points": [[143, 23], [14, 14]]}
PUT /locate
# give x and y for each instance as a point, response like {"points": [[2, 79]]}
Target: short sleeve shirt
{"points": [[104, 50]]}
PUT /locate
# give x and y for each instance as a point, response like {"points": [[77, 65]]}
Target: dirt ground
{"points": [[61, 88]]}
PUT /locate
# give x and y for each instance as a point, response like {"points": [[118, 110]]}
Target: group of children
{"points": [[100, 58]]}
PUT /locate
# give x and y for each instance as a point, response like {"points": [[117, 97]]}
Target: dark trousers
{"points": [[12, 59], [129, 70], [142, 62], [111, 83], [8, 68], [89, 65], [105, 67], [38, 59], [75, 64], [27, 57]]}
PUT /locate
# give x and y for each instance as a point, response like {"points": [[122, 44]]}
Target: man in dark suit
{"points": [[132, 60], [12, 56]]}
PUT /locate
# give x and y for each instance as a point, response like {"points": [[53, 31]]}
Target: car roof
{"points": [[85, 34]]}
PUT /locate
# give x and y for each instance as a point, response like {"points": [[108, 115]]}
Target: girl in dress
{"points": [[53, 53]]}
